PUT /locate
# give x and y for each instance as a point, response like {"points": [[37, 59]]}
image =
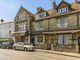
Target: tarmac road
{"points": [[6, 54]]}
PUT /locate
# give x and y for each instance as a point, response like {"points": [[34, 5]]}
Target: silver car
{"points": [[23, 46]]}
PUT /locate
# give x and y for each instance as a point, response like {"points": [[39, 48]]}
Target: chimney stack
{"points": [[54, 4], [75, 1], [2, 20]]}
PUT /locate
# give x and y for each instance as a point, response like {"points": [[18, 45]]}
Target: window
{"points": [[67, 39], [9, 32], [62, 23], [39, 25], [9, 25], [21, 27], [39, 39], [60, 39], [59, 10], [40, 15], [22, 16], [64, 39], [63, 10]]}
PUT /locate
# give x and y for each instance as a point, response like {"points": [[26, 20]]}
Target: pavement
{"points": [[6, 54], [60, 53]]}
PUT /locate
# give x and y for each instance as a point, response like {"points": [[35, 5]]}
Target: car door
{"points": [[20, 46]]}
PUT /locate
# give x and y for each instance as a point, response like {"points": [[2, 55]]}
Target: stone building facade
{"points": [[22, 25], [58, 28], [55, 29]]}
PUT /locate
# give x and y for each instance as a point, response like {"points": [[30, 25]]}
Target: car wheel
{"points": [[25, 49]]}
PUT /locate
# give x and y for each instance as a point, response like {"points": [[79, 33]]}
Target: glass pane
{"points": [[67, 39], [60, 39]]}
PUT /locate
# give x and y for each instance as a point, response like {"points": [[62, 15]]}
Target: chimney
{"points": [[75, 1], [2, 20]]}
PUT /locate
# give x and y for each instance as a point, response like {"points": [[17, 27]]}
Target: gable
{"points": [[40, 10], [63, 4], [22, 10]]}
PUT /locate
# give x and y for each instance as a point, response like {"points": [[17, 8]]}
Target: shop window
{"points": [[64, 39], [39, 39]]}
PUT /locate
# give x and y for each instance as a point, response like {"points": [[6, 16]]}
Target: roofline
{"points": [[58, 15], [6, 22]]}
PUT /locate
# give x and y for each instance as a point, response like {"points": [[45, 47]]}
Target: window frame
{"points": [[39, 25], [64, 41], [62, 23]]}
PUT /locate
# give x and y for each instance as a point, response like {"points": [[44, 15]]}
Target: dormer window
{"points": [[41, 15], [63, 10]]}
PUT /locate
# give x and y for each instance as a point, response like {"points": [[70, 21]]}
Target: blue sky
{"points": [[9, 8]]}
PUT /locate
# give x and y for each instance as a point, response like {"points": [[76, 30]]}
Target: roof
{"points": [[53, 12], [57, 15], [26, 11], [6, 21], [63, 2]]}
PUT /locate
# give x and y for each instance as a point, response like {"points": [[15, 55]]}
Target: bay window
{"points": [[22, 16], [21, 27], [62, 23], [39, 39]]}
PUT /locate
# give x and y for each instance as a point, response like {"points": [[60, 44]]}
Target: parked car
{"points": [[7, 45], [23, 46]]}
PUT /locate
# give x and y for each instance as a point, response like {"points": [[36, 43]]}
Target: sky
{"points": [[9, 8]]}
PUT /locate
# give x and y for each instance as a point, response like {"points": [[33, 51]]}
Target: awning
{"points": [[69, 31]]}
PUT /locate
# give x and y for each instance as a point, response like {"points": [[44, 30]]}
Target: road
{"points": [[6, 54]]}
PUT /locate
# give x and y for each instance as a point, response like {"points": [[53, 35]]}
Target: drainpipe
{"points": [[48, 26], [77, 45], [29, 28], [78, 20]]}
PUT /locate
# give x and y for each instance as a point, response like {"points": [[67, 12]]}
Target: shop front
{"points": [[20, 37], [67, 41]]}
